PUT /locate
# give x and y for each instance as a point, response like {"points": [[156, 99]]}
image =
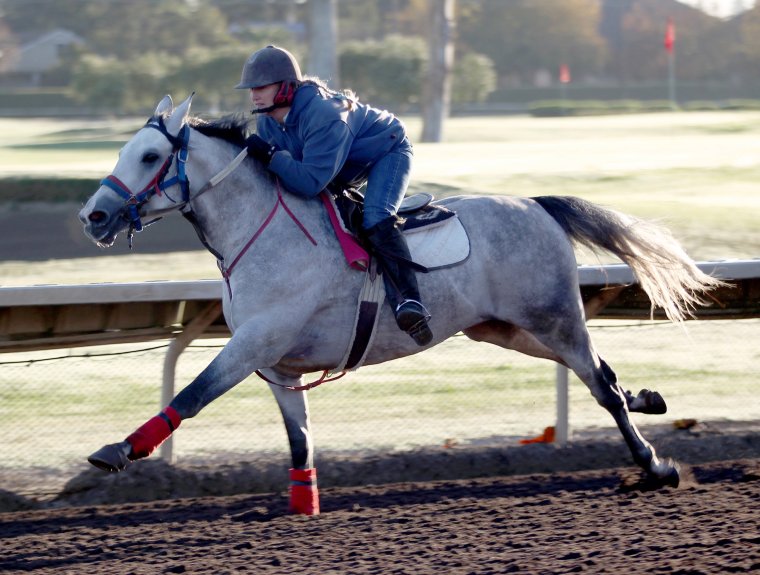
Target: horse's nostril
{"points": [[97, 217]]}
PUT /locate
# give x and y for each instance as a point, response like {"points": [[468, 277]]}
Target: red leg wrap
{"points": [[153, 433], [304, 496]]}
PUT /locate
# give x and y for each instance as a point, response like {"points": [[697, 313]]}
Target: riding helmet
{"points": [[269, 66]]}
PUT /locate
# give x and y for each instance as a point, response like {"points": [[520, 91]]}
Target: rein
{"points": [[307, 386], [227, 270]]}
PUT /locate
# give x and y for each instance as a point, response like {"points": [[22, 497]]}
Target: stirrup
{"points": [[412, 317]]}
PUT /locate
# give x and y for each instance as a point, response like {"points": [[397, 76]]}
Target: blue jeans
{"points": [[387, 183]]}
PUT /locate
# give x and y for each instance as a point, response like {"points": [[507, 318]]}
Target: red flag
{"points": [[670, 36], [564, 74]]}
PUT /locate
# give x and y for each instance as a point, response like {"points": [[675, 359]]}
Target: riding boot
{"points": [[400, 280]]}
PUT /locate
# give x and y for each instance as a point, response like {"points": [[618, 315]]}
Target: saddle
{"points": [[417, 210], [441, 248], [434, 234]]}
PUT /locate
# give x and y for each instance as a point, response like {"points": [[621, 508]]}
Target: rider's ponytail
{"points": [[347, 96]]}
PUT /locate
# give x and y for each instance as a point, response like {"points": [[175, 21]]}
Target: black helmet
{"points": [[269, 66]]}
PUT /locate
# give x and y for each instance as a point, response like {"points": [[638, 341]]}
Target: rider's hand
{"points": [[260, 149]]}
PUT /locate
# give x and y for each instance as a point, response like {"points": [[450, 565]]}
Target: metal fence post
{"points": [[194, 329], [562, 428]]}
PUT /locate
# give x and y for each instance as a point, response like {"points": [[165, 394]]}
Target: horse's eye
{"points": [[149, 158]]}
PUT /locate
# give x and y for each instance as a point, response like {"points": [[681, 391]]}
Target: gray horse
{"points": [[290, 299]]}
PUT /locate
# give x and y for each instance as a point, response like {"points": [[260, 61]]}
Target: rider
{"points": [[311, 136]]}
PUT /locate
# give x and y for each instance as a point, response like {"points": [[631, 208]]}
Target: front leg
{"points": [[237, 360], [294, 406]]}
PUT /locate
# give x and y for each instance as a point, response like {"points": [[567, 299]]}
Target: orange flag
{"points": [[564, 74], [670, 36]]}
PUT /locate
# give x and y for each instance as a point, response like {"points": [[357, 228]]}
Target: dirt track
{"points": [[557, 523]]}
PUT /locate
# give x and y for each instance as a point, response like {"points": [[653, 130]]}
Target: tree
{"points": [[522, 36], [212, 75], [8, 47], [125, 29], [437, 98], [323, 41], [387, 73], [706, 47], [474, 78], [41, 16], [749, 30]]}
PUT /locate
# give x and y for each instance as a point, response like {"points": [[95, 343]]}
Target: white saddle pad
{"points": [[439, 245]]}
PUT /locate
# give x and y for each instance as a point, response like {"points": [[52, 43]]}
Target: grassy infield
{"points": [[698, 172]]}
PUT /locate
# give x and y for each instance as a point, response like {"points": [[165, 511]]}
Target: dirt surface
{"points": [[556, 523], [544, 509]]}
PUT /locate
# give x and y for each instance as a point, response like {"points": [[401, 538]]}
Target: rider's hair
{"points": [[347, 96]]}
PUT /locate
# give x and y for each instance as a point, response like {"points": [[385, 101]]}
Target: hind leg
{"points": [[512, 337], [564, 332], [294, 406], [609, 395], [602, 382]]}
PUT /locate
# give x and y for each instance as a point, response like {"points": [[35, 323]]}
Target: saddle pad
{"points": [[438, 246]]}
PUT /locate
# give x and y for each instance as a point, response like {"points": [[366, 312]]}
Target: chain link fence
{"points": [[58, 406]]}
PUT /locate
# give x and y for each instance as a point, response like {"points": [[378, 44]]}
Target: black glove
{"points": [[260, 149]]}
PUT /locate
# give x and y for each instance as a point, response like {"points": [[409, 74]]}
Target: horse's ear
{"points": [[164, 106], [179, 115]]}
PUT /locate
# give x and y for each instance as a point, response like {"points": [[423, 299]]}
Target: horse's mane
{"points": [[232, 128]]}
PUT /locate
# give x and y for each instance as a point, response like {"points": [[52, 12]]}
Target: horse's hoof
{"points": [[668, 475], [112, 458], [649, 402], [672, 477]]}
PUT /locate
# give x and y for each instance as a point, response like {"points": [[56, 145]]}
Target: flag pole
{"points": [[672, 80]]}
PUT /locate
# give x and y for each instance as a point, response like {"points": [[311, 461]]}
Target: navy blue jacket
{"points": [[324, 138]]}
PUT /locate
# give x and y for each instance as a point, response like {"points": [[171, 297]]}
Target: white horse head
{"points": [[138, 182]]}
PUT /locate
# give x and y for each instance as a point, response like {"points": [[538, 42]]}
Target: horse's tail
{"points": [[666, 273]]}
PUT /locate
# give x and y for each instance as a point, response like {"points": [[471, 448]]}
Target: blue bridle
{"points": [[159, 183]]}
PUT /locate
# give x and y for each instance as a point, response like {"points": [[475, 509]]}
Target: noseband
{"points": [[159, 183]]}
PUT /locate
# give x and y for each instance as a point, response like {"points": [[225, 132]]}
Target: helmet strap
{"points": [[265, 110]]}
